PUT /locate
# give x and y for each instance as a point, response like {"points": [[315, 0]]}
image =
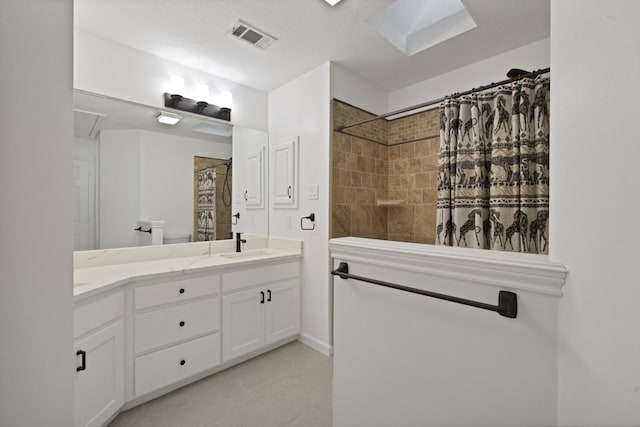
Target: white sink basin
{"points": [[256, 253]]}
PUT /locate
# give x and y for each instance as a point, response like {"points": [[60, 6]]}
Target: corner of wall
{"points": [[301, 108]]}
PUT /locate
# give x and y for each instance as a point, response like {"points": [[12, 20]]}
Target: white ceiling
{"points": [[309, 32]]}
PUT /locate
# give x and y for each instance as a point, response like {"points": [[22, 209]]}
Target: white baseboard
{"points": [[316, 344]]}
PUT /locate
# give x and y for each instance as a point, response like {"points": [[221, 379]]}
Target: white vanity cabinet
{"points": [[176, 331], [260, 306], [99, 348]]}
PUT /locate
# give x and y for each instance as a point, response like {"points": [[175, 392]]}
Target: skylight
{"points": [[415, 25]]}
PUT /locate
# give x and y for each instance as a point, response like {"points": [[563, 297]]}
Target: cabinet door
{"points": [[242, 323], [284, 175], [255, 180], [99, 388], [282, 311]]}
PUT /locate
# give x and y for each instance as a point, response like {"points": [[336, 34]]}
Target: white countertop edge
{"points": [[123, 274], [534, 273]]}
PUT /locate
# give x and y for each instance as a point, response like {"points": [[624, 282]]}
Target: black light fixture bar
{"points": [[179, 102], [507, 301]]}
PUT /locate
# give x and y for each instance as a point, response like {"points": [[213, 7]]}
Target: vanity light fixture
{"points": [[332, 2], [203, 108], [168, 118]]}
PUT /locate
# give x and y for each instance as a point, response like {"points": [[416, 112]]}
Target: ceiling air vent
{"points": [[251, 35]]}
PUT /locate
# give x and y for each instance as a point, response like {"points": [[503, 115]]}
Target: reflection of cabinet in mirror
{"points": [[255, 180], [285, 174], [249, 181]]}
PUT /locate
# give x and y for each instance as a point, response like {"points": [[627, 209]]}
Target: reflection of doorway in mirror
{"points": [[84, 194], [222, 203]]}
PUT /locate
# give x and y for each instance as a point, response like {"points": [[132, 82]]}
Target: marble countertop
{"points": [[99, 271]]}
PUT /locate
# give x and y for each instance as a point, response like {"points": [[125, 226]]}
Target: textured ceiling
{"points": [[309, 32]]}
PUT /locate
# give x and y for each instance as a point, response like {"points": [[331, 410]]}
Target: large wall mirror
{"points": [[199, 179]]}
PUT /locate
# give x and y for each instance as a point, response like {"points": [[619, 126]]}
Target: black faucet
{"points": [[238, 241]]}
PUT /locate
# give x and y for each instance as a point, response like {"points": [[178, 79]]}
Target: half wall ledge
{"points": [[517, 271]]}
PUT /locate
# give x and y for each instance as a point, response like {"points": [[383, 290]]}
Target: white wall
{"points": [[116, 70], [148, 176], [301, 108], [595, 208], [119, 188], [354, 90], [36, 278], [529, 57]]}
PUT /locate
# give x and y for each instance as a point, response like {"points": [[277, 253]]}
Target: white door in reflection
{"points": [[84, 188]]}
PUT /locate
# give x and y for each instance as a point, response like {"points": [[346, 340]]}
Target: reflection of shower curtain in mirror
{"points": [[206, 205]]}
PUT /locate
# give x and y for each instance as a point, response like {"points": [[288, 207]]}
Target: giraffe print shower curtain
{"points": [[206, 205], [493, 169]]}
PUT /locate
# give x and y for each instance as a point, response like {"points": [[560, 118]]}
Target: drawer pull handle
{"points": [[262, 295], [181, 290], [269, 293], [84, 360], [182, 362], [181, 324]]}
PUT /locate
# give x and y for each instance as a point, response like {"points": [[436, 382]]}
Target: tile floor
{"points": [[289, 386]]}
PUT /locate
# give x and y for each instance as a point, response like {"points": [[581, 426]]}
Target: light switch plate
{"points": [[313, 191], [287, 222]]}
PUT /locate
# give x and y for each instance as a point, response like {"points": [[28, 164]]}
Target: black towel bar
{"points": [[507, 301]]}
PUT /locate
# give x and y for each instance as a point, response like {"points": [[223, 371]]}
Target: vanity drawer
{"points": [[88, 316], [149, 296], [256, 276], [175, 323], [164, 367]]}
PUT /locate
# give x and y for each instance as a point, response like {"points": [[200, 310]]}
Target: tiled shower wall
{"points": [[360, 171], [401, 170]]}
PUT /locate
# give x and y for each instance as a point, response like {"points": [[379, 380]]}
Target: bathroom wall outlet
{"points": [[287, 222], [313, 192]]}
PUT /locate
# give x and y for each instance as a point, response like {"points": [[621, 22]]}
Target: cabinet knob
{"points": [[182, 362], [181, 324], [181, 290]]}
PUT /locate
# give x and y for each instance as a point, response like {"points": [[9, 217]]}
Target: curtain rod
{"points": [[439, 100]]}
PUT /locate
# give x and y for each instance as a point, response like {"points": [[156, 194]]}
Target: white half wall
{"points": [[112, 69], [595, 209], [36, 272], [403, 359], [301, 108], [533, 56]]}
